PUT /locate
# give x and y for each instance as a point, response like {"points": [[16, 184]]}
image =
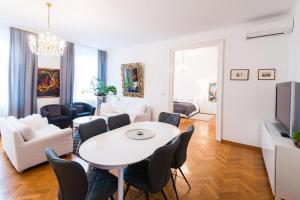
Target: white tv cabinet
{"points": [[282, 160]]}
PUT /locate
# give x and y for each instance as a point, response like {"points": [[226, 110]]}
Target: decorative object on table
{"points": [[212, 92], [139, 134], [266, 74], [100, 90], [132, 80], [81, 109], [48, 82], [239, 74], [296, 138], [47, 43]]}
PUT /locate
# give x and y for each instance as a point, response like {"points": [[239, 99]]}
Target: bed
{"points": [[186, 109]]}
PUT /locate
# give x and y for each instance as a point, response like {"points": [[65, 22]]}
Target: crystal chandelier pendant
{"points": [[47, 43]]}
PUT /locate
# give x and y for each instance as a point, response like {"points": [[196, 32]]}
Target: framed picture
{"points": [[266, 74], [48, 82], [239, 74], [132, 80], [212, 92]]}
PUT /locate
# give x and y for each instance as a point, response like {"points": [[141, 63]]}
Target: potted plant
{"points": [[296, 138], [101, 89]]}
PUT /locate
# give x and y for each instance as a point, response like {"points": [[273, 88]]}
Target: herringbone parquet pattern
{"points": [[215, 171]]}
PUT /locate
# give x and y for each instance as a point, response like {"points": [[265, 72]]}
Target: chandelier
{"points": [[47, 43]]}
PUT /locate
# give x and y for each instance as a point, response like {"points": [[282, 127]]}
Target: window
{"points": [[4, 60], [86, 68]]}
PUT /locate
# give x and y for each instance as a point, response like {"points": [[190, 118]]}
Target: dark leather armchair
{"points": [[59, 115], [81, 109]]}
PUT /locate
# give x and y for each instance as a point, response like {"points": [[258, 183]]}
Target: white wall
{"points": [[246, 103], [295, 47], [48, 62], [191, 81]]}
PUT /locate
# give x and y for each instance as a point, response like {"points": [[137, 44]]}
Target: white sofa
{"points": [[137, 112], [25, 140]]}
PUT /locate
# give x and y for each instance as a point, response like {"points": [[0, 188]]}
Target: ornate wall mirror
{"points": [[132, 80]]}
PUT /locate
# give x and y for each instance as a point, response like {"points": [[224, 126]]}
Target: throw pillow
{"points": [[25, 131], [35, 121], [79, 108], [54, 110]]}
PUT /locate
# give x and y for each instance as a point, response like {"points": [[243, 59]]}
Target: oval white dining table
{"points": [[114, 150]]}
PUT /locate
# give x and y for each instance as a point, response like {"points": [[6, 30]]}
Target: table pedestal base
{"points": [[120, 183]]}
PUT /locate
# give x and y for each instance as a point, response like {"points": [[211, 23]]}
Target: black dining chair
{"points": [[169, 118], [153, 174], [181, 154], [91, 129], [118, 121], [75, 184]]}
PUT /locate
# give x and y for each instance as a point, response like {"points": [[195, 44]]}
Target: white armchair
{"points": [[24, 153], [137, 112]]}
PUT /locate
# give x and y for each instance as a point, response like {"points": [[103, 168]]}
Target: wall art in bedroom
{"points": [[239, 74], [132, 80], [48, 82], [212, 92], [266, 74]]}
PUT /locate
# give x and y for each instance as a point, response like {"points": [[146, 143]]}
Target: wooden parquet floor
{"points": [[216, 171]]}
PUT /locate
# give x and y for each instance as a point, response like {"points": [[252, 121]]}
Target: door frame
{"points": [[219, 115]]}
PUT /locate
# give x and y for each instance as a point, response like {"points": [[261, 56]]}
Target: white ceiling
{"points": [[113, 23]]}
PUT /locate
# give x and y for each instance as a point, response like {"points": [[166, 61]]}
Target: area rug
{"points": [[76, 143], [202, 117]]}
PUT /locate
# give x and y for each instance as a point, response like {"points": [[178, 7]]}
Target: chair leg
{"points": [[77, 150], [174, 186], [127, 188], [163, 193], [147, 195], [185, 178]]}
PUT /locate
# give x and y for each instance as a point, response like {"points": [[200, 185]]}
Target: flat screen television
{"points": [[287, 112]]}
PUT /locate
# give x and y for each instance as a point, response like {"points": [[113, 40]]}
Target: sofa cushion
{"points": [[48, 130], [25, 131], [119, 107], [54, 110], [35, 121], [79, 108], [107, 115], [135, 109], [106, 108]]}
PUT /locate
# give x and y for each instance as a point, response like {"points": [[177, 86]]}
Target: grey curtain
{"points": [[67, 75], [102, 65], [22, 75]]}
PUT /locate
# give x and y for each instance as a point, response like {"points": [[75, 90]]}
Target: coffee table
{"points": [[86, 119]]}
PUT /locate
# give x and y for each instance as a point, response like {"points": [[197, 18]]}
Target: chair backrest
{"points": [[169, 118], [91, 129], [118, 121], [180, 154], [160, 164], [72, 179]]}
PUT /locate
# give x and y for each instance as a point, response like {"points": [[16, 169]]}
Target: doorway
{"points": [[196, 83]]}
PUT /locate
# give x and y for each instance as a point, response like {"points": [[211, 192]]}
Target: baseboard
{"points": [[241, 145]]}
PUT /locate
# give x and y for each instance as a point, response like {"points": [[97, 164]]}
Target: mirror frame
{"points": [[139, 67]]}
